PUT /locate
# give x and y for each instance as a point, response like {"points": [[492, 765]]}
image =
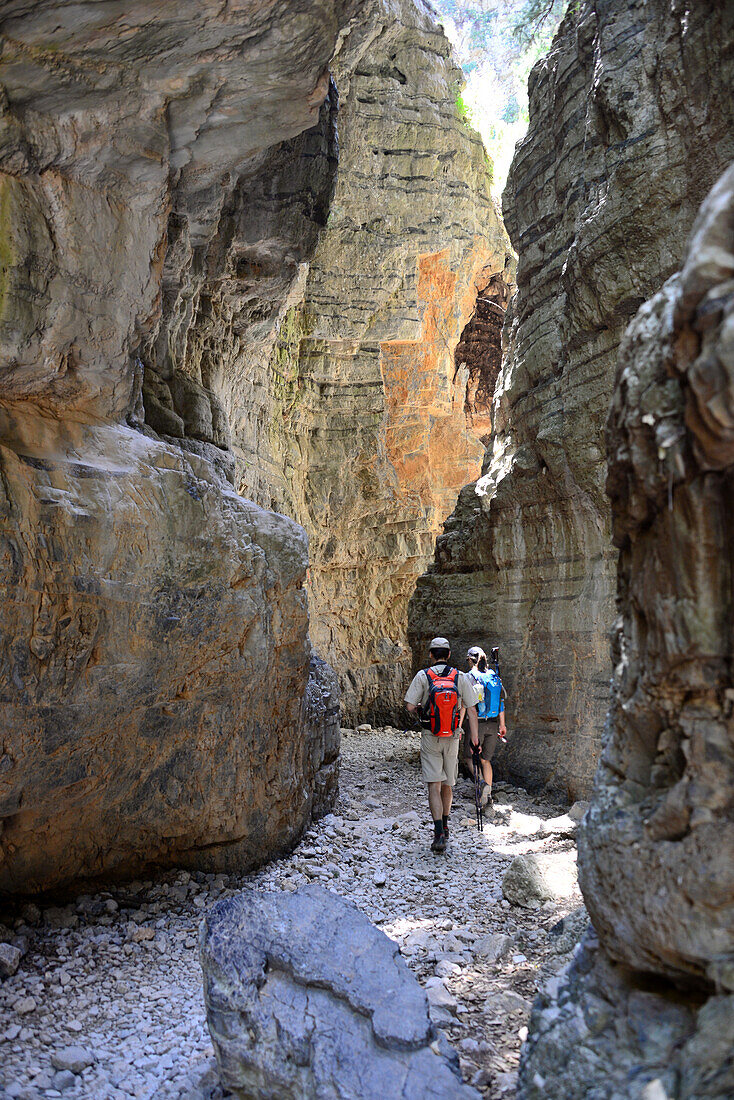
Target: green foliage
{"points": [[463, 110], [497, 42], [534, 18]]}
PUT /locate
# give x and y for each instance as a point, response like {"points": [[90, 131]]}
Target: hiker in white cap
{"points": [[441, 693], [491, 715]]}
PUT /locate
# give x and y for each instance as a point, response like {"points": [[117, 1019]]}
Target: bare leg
{"points": [[487, 773], [447, 797], [435, 801]]}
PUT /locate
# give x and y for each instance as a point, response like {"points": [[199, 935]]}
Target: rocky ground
{"points": [[106, 1001]]}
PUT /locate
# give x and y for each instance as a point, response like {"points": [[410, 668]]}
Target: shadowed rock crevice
{"points": [[480, 352]]}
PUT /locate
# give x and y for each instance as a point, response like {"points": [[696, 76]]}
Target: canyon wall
{"points": [[656, 850], [631, 122], [364, 436], [153, 646], [308, 348], [239, 248]]}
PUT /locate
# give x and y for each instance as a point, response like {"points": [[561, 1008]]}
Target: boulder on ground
{"points": [[74, 1059], [493, 947], [525, 884], [306, 998], [9, 959], [599, 1030]]}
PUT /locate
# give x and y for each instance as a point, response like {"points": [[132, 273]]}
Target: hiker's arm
{"points": [[411, 708], [473, 725], [462, 712], [503, 727]]}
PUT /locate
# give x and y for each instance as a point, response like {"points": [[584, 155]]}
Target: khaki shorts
{"points": [[488, 731], [440, 758]]}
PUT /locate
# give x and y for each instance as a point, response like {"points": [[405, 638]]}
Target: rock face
{"points": [[660, 825], [631, 124], [597, 1033], [206, 288], [354, 422], [306, 998], [154, 640], [363, 430], [656, 847], [322, 735], [147, 717]]}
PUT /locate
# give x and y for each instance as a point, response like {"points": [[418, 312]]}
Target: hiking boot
{"points": [[485, 798], [439, 843], [446, 829]]}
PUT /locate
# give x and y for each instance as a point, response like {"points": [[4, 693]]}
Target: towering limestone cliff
{"points": [[656, 853], [153, 647], [238, 248], [361, 429], [632, 120]]}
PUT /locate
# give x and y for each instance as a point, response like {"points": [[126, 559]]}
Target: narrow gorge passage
{"points": [[287, 391], [117, 973]]}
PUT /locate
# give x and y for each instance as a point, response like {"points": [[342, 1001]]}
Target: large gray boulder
{"points": [[600, 1032], [656, 849], [305, 998]]}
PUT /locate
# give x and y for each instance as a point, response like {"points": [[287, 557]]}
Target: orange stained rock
{"points": [[429, 444]]}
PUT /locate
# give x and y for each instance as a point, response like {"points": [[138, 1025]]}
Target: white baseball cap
{"points": [[439, 643], [476, 651]]}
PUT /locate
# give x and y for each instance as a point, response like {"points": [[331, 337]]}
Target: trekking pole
{"points": [[477, 792]]}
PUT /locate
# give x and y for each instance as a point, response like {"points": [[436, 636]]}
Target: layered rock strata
{"points": [[363, 433], [209, 286], [305, 997], [656, 848], [306, 342], [631, 123], [153, 645], [599, 1032]]}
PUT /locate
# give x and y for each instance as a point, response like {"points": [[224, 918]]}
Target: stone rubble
{"points": [[115, 974]]}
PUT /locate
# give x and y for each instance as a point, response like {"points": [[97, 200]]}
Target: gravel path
{"points": [[116, 974]]}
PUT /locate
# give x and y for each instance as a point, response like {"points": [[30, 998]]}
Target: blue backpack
{"points": [[490, 705]]}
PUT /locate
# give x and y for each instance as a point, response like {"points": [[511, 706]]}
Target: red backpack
{"points": [[442, 708]]}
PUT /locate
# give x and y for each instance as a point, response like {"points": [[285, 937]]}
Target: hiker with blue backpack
{"points": [[491, 715], [441, 695]]}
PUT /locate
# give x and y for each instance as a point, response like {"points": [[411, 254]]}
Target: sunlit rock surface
{"points": [[357, 424], [154, 639], [631, 122]]}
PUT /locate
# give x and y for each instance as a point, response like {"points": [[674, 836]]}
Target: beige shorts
{"points": [[488, 731], [439, 758]]}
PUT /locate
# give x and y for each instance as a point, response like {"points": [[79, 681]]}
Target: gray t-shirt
{"points": [[417, 693]]}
